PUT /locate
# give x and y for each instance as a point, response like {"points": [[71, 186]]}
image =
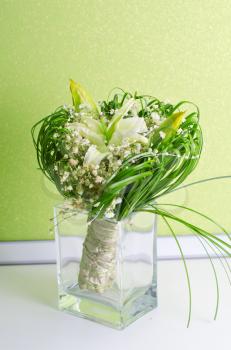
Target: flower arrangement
{"points": [[115, 158]]}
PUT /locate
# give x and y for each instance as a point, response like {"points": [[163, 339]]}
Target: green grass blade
{"points": [[185, 267]]}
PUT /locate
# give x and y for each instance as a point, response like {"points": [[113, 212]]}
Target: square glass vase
{"points": [[106, 269]]}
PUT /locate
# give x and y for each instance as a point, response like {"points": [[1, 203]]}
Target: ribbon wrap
{"points": [[98, 262]]}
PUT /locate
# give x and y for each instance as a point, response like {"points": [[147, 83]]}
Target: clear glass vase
{"points": [[106, 269]]}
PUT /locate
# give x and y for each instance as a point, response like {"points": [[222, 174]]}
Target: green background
{"points": [[172, 49]]}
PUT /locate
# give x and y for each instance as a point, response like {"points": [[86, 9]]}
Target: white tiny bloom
{"points": [[96, 204], [75, 150], [73, 162], [111, 148], [55, 135], [155, 117], [162, 134], [65, 176], [112, 111], [65, 156], [101, 114], [98, 179], [118, 200], [69, 188], [55, 168], [179, 131], [109, 214]]}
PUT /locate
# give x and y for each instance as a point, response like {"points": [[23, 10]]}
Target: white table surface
{"points": [[29, 318]]}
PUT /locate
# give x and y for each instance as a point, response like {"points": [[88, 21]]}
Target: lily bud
{"points": [[80, 96], [167, 128]]}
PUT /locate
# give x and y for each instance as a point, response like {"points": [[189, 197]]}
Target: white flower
{"points": [[118, 200], [119, 129], [75, 150], [65, 176], [69, 188], [111, 148], [126, 154], [73, 162], [98, 179], [109, 214], [130, 129], [155, 117], [162, 134], [179, 131], [93, 156]]}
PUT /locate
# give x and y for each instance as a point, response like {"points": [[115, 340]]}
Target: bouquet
{"points": [[115, 158]]}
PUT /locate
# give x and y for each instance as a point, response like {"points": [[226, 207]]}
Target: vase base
{"points": [[94, 307]]}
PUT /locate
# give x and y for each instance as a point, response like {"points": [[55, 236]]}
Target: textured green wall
{"points": [[172, 49]]}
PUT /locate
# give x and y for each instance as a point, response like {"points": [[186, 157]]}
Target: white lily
{"points": [[115, 133]]}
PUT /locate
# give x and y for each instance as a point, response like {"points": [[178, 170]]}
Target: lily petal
{"points": [[129, 128], [92, 124], [138, 138], [118, 116], [93, 137]]}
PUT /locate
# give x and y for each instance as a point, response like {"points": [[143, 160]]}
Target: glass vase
{"points": [[107, 269]]}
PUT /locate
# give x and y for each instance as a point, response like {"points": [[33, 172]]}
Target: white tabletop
{"points": [[29, 318]]}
